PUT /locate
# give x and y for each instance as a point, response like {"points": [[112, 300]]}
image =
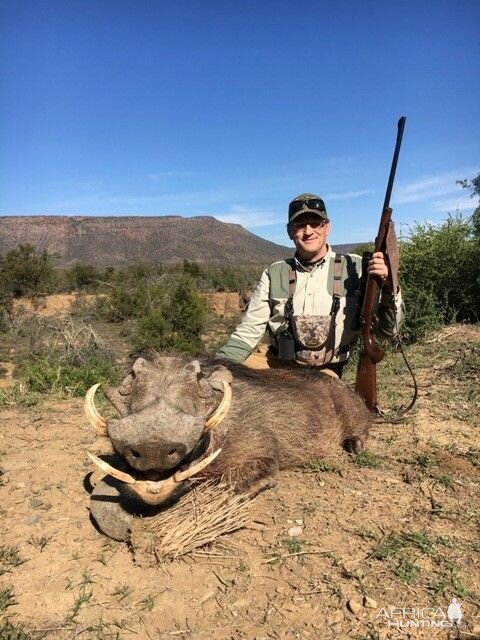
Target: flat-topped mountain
{"points": [[121, 240]]}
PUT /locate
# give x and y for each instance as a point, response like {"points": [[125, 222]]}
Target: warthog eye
{"points": [[134, 453], [172, 451]]}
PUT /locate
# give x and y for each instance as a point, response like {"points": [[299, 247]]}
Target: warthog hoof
{"points": [[107, 509], [353, 445]]}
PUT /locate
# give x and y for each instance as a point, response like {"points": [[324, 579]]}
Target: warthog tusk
{"points": [[221, 411], [153, 492], [95, 419], [111, 471], [191, 471]]}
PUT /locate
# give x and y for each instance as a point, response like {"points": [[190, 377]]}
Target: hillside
{"points": [[122, 240]]}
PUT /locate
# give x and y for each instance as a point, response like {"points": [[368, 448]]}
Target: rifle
{"points": [[371, 354]]}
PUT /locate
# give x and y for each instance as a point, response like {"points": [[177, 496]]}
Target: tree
{"points": [[26, 271], [174, 320], [474, 186], [81, 276]]}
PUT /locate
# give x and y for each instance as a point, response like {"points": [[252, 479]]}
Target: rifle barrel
{"points": [[393, 168]]}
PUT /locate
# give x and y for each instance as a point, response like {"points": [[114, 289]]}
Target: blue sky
{"points": [[142, 107]]}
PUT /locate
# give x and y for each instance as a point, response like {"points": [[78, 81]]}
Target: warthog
{"points": [[214, 419]]}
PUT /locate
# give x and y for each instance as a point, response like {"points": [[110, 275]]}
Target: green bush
{"points": [[125, 304], [26, 271], [423, 314], [439, 274], [82, 277], [62, 356], [366, 247], [175, 321], [135, 275], [58, 371], [17, 396]]}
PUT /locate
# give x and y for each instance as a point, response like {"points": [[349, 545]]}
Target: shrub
{"points": [[423, 313], [439, 274], [82, 276], [137, 274], [57, 371], [124, 304], [26, 271], [62, 356], [175, 322]]}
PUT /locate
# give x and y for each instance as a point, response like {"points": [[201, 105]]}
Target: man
{"points": [[310, 303]]}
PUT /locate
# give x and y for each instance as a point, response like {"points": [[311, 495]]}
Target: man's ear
{"points": [[290, 231]]}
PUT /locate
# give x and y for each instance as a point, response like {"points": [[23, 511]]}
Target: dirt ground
{"points": [[221, 305], [382, 543]]}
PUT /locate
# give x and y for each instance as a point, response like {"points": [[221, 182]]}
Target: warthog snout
{"points": [[157, 454], [157, 438]]}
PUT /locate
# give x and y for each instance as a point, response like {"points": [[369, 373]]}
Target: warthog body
{"points": [[278, 419]]}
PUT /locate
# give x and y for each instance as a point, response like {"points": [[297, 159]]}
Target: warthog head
{"points": [[166, 408]]}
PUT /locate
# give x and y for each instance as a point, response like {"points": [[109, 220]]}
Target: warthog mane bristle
{"points": [[210, 510]]}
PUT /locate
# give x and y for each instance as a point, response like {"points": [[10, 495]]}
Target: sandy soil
{"points": [[58, 305], [372, 540], [222, 305]]}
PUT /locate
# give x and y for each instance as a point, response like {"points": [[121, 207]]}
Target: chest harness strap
{"points": [[337, 288]]}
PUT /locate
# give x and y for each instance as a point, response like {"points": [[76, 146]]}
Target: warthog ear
{"points": [[219, 376], [195, 369], [138, 365]]}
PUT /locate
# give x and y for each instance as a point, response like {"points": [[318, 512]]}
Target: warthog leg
{"points": [[107, 511], [353, 445]]}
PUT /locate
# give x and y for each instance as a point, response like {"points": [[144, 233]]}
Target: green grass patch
{"points": [[398, 542], [320, 466], [423, 462], [369, 459], [81, 600], [293, 545], [39, 542], [59, 356], [473, 456], [9, 558], [18, 396], [56, 373], [7, 598], [443, 480], [447, 580], [9, 631], [406, 571]]}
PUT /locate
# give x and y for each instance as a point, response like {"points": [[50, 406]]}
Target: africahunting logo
{"points": [[421, 617]]}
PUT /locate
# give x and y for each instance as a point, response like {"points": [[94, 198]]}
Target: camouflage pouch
{"points": [[311, 332]]}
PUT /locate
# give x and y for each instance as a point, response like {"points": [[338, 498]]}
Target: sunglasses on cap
{"points": [[316, 204]]}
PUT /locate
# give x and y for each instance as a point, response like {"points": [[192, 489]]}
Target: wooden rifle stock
{"points": [[371, 354]]}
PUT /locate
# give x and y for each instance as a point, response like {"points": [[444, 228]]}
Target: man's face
{"points": [[309, 233]]}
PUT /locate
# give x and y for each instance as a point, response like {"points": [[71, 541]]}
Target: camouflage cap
{"points": [[307, 203]]}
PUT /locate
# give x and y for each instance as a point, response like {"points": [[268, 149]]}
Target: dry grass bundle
{"points": [[207, 512]]}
